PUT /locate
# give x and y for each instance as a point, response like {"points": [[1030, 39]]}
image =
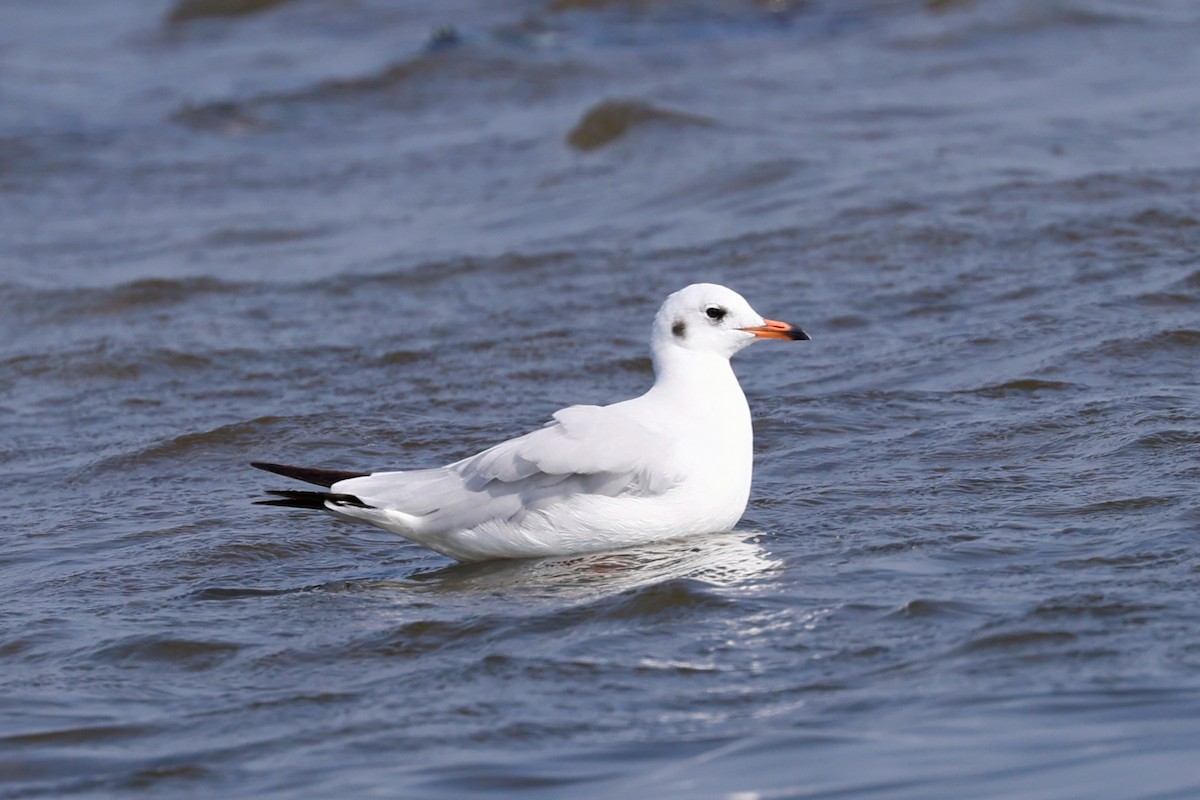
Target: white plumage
{"points": [[674, 462]]}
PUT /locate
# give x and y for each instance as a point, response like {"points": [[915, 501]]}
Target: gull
{"points": [[673, 462]]}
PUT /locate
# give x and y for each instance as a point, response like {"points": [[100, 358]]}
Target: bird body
{"points": [[673, 462]]}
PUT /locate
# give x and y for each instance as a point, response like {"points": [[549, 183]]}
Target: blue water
{"points": [[380, 235]]}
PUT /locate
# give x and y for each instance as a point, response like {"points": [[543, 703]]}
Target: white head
{"points": [[708, 318]]}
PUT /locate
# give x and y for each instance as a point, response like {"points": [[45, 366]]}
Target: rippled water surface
{"points": [[388, 234]]}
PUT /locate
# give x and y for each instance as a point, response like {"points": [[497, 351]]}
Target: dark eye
{"points": [[715, 313]]}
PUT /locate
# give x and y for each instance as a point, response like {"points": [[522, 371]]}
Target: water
{"points": [[372, 234]]}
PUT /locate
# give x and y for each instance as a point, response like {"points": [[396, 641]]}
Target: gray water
{"points": [[373, 234]]}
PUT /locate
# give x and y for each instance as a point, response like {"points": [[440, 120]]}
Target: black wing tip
{"points": [[318, 477], [312, 501], [282, 503]]}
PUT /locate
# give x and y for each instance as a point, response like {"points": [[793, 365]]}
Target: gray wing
{"points": [[585, 449]]}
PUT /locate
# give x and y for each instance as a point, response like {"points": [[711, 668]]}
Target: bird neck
{"points": [[706, 377]]}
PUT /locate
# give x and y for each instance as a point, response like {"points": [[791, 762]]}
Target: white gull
{"points": [[674, 462]]}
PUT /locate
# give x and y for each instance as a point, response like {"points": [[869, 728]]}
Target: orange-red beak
{"points": [[774, 329]]}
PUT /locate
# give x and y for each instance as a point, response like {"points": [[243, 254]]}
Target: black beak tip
{"points": [[798, 335]]}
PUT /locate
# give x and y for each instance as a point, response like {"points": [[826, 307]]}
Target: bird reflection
{"points": [[722, 559]]}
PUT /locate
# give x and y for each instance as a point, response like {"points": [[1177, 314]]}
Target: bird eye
{"points": [[715, 313]]}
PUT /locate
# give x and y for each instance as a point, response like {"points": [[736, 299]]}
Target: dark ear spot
{"points": [[679, 329]]}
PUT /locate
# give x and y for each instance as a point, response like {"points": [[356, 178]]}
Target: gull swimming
{"points": [[673, 462]]}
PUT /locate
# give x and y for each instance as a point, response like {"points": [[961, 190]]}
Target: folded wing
{"points": [[584, 450]]}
